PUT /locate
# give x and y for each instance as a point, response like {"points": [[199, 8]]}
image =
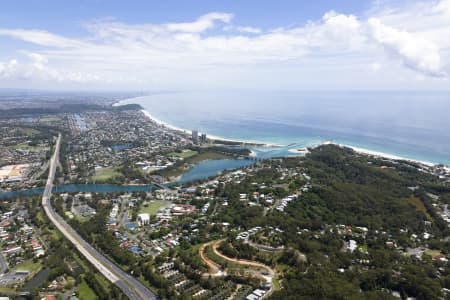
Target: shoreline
{"points": [[382, 154], [186, 131], [359, 150], [209, 136]]}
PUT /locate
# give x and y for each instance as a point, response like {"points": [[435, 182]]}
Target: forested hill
{"points": [[388, 209], [349, 188]]}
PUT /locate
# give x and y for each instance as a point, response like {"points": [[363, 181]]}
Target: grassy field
{"points": [[433, 253], [30, 266], [85, 292], [28, 147], [4, 289], [276, 284], [183, 154], [206, 156], [103, 174], [419, 206], [152, 207], [27, 131]]}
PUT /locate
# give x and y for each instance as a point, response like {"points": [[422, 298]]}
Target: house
{"points": [[143, 219]]}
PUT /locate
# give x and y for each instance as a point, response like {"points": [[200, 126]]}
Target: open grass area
{"points": [[432, 253], [419, 206], [30, 266], [24, 146], [276, 284], [206, 156], [152, 207], [85, 292], [183, 154], [82, 219], [103, 174], [27, 131], [5, 289]]}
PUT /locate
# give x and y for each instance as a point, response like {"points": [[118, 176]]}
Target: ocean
{"points": [[413, 125]]}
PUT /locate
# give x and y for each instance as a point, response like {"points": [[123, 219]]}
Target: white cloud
{"points": [[248, 29], [37, 68], [375, 66], [201, 24], [415, 52], [188, 54], [41, 37]]}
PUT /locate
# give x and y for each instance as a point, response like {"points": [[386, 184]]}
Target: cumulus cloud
{"points": [[191, 52], [415, 52], [36, 68]]}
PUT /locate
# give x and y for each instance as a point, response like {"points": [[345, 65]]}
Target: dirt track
{"points": [[269, 270], [213, 268]]}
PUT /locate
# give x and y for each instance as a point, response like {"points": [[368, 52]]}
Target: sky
{"points": [[213, 45]]}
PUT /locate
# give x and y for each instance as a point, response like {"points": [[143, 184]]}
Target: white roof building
{"points": [[143, 219]]}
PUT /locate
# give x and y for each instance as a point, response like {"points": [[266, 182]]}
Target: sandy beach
{"points": [[265, 144], [188, 131], [303, 151], [297, 151], [385, 155], [212, 137]]}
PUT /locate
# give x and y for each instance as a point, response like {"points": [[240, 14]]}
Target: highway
{"points": [[129, 285]]}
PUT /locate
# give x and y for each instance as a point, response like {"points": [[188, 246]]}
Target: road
{"points": [[214, 269], [3, 264], [129, 285], [268, 275]]}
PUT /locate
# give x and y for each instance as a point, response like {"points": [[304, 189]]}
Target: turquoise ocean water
{"points": [[414, 125]]}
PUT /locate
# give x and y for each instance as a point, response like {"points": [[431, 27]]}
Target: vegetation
{"points": [[104, 174], [85, 292], [183, 154], [61, 258], [152, 207], [29, 265], [348, 189]]}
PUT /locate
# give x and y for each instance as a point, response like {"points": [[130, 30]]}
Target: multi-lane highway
{"points": [[127, 283]]}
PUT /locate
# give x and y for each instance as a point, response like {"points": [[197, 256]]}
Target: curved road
{"points": [[129, 285]]}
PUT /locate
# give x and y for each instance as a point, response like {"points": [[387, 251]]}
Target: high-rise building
{"points": [[203, 138], [195, 137]]}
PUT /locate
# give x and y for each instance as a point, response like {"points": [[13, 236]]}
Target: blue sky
{"points": [[153, 45], [65, 16]]}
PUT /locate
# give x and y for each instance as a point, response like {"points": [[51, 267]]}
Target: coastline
{"points": [[187, 131], [211, 137], [382, 154], [359, 150]]}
